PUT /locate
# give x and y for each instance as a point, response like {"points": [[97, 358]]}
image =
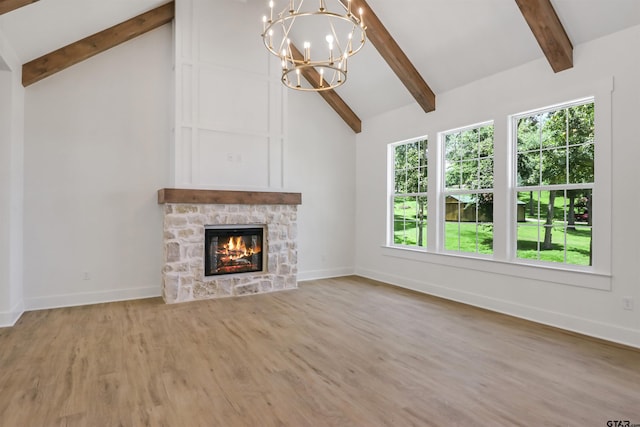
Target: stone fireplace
{"points": [[189, 215]]}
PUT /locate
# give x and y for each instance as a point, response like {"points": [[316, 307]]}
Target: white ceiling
{"points": [[450, 42], [455, 42]]}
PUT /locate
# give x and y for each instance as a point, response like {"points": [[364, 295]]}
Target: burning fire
{"points": [[236, 248]]}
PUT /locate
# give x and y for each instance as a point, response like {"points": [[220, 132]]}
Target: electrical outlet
{"points": [[627, 303], [86, 276]]}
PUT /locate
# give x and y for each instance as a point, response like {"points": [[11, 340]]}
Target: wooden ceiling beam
{"points": [[9, 5], [330, 95], [549, 32], [69, 55], [395, 57]]}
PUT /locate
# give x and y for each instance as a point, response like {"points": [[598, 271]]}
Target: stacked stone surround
{"points": [[183, 273]]}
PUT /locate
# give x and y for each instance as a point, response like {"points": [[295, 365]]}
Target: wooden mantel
{"points": [[224, 197]]}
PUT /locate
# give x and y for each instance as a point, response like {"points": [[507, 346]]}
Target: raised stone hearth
{"points": [[187, 212]]}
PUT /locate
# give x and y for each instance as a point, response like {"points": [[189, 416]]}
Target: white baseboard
{"points": [[325, 274], [9, 318], [86, 298], [585, 326]]}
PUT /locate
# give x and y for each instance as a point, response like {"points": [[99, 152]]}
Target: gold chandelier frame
{"points": [[345, 35]]}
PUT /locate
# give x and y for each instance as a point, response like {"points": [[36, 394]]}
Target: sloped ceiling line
{"points": [[60, 59], [73, 53], [330, 96], [549, 32], [9, 5], [395, 57]]}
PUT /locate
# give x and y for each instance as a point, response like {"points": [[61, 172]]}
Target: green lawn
{"points": [[478, 238], [576, 240], [405, 227], [578, 243], [474, 238]]}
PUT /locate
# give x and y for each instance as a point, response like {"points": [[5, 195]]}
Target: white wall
{"points": [[494, 286], [238, 128], [97, 148], [319, 161], [11, 185]]}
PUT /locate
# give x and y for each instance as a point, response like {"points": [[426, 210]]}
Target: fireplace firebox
{"points": [[233, 249]]}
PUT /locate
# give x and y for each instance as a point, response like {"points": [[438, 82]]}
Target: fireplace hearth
{"points": [[233, 249], [253, 251]]}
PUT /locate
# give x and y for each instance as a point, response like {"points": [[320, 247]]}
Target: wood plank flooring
{"points": [[336, 352]]}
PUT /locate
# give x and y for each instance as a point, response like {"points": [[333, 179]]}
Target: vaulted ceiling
{"points": [[449, 42]]}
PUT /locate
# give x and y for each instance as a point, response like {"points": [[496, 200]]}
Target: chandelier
{"points": [[312, 42]]}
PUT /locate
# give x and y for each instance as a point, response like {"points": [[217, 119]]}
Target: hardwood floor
{"points": [[336, 352]]}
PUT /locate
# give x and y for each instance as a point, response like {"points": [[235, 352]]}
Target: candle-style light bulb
{"points": [[264, 23], [348, 7], [271, 9], [307, 51], [298, 74], [321, 77], [289, 50], [291, 6], [329, 40], [361, 21]]}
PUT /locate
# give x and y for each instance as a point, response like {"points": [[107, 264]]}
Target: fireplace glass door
{"points": [[232, 249]]}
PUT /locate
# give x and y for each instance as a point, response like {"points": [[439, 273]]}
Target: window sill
{"points": [[544, 273]]}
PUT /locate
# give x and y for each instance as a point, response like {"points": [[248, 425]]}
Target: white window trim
{"points": [[515, 189], [503, 261], [443, 192], [542, 273], [391, 193], [601, 187]]}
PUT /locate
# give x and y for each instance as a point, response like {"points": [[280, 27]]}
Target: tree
{"points": [[553, 164], [469, 165], [580, 129], [528, 161], [410, 164], [557, 148]]}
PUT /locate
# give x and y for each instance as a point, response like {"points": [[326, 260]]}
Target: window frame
{"points": [[503, 263], [391, 194], [444, 191], [515, 188]]}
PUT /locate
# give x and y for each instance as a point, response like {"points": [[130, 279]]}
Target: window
{"points": [[468, 190], [554, 183], [409, 196], [526, 194]]}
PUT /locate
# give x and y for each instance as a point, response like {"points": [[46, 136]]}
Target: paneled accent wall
{"points": [[229, 118]]}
